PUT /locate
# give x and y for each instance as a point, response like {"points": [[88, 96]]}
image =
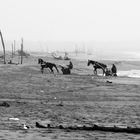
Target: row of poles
{"points": [[13, 49]]}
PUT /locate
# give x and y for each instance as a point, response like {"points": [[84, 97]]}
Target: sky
{"points": [[104, 24]]}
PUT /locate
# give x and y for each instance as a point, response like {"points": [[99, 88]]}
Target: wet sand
{"points": [[86, 100]]}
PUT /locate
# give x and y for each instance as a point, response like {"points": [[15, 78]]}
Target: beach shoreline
{"points": [[84, 98]]}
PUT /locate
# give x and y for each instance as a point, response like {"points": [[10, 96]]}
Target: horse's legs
{"points": [[95, 71], [42, 68], [56, 69], [104, 72], [51, 70]]}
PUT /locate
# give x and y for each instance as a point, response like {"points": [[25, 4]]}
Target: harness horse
{"points": [[47, 65], [97, 65]]}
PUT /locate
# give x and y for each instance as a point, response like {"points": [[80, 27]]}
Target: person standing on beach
{"points": [[114, 70], [70, 66]]}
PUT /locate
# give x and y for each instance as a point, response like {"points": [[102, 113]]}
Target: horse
{"points": [[97, 65], [47, 65]]}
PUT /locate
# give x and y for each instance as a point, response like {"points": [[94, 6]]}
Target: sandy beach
{"points": [[85, 100]]}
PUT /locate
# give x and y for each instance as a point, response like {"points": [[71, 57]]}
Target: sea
{"points": [[134, 73], [130, 73]]}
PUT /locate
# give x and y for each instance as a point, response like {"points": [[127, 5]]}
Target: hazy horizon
{"points": [[99, 50], [107, 46], [103, 26]]}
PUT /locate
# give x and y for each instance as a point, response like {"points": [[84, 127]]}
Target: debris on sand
{"points": [[14, 119], [17, 123], [40, 125], [42, 91], [44, 124], [109, 82], [95, 127], [60, 104], [4, 104], [25, 126]]}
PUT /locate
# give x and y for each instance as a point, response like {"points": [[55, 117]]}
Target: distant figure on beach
{"points": [[66, 56], [114, 70], [10, 62]]}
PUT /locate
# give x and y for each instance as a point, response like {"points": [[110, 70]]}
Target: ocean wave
{"points": [[130, 73]]}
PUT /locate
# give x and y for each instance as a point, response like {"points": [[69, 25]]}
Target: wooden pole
{"points": [[12, 50], [21, 50], [14, 47], [3, 46]]}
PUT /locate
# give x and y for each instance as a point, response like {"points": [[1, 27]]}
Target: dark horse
{"points": [[97, 65], [47, 65]]}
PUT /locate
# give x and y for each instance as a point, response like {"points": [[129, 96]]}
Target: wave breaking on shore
{"points": [[130, 73]]}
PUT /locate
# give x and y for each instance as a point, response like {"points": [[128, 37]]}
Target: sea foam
{"points": [[130, 73]]}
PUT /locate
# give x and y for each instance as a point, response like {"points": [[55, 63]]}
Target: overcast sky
{"points": [[72, 20]]}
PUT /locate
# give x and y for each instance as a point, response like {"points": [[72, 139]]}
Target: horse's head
{"points": [[90, 62], [40, 61]]}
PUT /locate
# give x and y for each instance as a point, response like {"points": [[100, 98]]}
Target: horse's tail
{"points": [[56, 68]]}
